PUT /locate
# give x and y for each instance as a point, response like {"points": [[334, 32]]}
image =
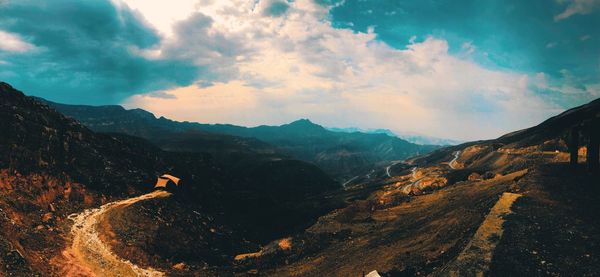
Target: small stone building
{"points": [[167, 182]]}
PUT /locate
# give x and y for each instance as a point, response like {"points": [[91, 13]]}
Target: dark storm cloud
{"points": [[85, 52]]}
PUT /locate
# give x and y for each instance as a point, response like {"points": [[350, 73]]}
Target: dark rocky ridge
{"points": [[52, 166], [38, 139]]}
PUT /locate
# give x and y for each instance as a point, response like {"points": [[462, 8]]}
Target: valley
{"points": [[80, 203], [299, 138], [341, 154]]}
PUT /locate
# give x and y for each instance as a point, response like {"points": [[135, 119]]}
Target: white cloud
{"points": [[162, 14], [567, 88], [278, 69], [576, 7], [13, 43]]}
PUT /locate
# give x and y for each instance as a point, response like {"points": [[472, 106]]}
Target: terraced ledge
{"points": [[476, 258]]}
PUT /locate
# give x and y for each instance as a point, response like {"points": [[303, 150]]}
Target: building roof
{"points": [[171, 177], [163, 180]]}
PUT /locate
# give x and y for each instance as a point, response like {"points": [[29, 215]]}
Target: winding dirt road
{"points": [[90, 256], [456, 156], [387, 169], [406, 189]]}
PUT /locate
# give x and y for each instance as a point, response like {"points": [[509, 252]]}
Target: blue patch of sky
{"points": [[508, 34]]}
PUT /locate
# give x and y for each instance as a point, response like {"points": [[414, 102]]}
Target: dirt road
{"points": [[453, 161], [89, 255]]}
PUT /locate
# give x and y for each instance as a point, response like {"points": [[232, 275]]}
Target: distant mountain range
{"points": [[246, 206], [341, 154], [410, 137]]}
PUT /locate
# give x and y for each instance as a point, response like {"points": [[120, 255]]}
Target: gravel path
{"points": [[90, 256]]}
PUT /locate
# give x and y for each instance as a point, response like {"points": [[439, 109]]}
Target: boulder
{"points": [[47, 217], [474, 177], [179, 266]]}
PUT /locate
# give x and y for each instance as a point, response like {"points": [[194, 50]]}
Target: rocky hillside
{"points": [[342, 154], [52, 166], [557, 127], [512, 206], [38, 139]]}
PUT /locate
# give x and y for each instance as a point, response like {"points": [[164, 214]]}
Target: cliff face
{"points": [[36, 138]]}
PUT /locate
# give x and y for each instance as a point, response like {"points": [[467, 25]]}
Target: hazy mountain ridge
{"points": [[339, 153], [410, 137]]}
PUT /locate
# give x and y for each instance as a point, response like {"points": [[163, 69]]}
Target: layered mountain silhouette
{"points": [[341, 154], [251, 204]]}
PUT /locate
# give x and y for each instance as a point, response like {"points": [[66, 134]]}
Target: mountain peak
{"points": [[303, 124], [302, 121], [7, 88], [142, 113]]}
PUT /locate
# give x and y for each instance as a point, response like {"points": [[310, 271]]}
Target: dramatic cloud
{"points": [[84, 52], [459, 69], [299, 65]]}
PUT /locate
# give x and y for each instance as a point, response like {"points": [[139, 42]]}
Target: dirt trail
{"points": [[387, 169], [456, 156], [406, 189], [349, 181], [476, 257], [89, 255]]}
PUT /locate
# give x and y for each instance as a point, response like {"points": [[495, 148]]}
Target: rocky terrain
{"points": [[51, 166], [513, 206], [434, 215]]}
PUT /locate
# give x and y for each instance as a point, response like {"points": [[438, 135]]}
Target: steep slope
{"points": [[341, 154], [447, 214], [38, 139], [51, 166], [430, 215], [555, 127]]}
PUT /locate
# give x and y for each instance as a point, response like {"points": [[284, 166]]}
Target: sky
{"points": [[458, 69]]}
